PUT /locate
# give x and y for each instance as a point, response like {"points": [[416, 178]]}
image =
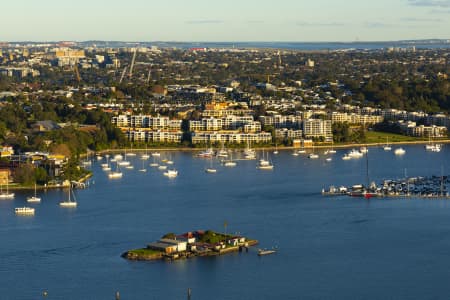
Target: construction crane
{"points": [[132, 63], [149, 75], [77, 73], [279, 59], [123, 75]]}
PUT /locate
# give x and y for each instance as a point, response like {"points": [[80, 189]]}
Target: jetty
{"points": [[191, 244], [414, 187]]}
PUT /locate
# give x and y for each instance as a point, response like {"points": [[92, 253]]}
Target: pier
{"points": [[433, 187]]}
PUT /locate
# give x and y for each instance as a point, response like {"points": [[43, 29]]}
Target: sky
{"points": [[226, 20]]}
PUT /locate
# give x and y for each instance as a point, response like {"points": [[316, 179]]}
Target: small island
{"points": [[191, 244]]}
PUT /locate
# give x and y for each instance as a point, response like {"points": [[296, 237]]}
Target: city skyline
{"points": [[235, 21]]}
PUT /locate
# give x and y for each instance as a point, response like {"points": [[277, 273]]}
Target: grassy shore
{"points": [[373, 138]]}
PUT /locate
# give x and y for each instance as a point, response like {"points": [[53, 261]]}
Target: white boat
{"points": [[399, 151], [99, 157], [145, 156], [106, 169], [7, 194], [130, 167], [229, 163], [436, 148], [264, 163], [123, 163], [116, 174], [328, 159], [295, 153], [355, 153], [346, 157], [162, 167], [206, 153], [313, 156], [154, 165], [156, 154], [301, 151], [24, 211], [276, 150], [433, 147], [35, 198], [363, 150], [143, 169], [249, 153], [69, 202], [210, 170], [104, 165], [118, 157], [387, 147], [262, 252], [131, 153], [171, 173]]}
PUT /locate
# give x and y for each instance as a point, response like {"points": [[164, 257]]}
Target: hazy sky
{"points": [[226, 20]]}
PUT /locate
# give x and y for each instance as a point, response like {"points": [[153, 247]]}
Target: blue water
{"points": [[308, 45], [329, 248]]}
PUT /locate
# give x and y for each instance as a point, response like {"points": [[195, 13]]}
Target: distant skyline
{"points": [[232, 20]]}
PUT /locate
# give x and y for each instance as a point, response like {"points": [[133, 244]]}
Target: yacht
{"points": [[24, 211], [328, 159], [301, 151], [171, 173], [145, 155], [118, 157], [207, 153], [264, 164], [123, 163], [355, 153], [387, 147], [69, 202], [313, 156], [229, 163], [162, 167], [35, 198], [156, 154], [295, 153], [262, 252], [363, 150], [7, 194], [210, 170], [399, 151], [116, 174], [346, 157]]}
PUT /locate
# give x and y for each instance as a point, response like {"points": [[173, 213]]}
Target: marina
{"points": [[332, 237]]}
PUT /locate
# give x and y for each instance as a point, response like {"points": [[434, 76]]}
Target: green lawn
{"points": [[381, 137], [145, 251]]}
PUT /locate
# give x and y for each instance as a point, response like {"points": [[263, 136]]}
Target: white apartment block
{"points": [[227, 123], [280, 121], [154, 136], [146, 121], [427, 131], [252, 127], [439, 119], [353, 118], [317, 128], [285, 133]]}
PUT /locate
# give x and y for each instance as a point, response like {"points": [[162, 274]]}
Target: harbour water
{"points": [[329, 247]]}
